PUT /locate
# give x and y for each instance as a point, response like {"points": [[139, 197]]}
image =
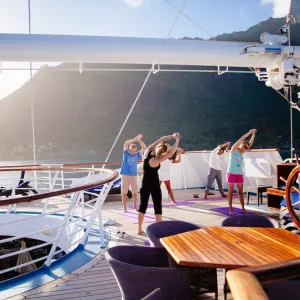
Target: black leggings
{"points": [[155, 192]]}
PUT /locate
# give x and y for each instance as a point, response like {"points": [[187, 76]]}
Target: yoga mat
{"points": [[213, 198], [170, 204], [225, 211], [132, 215], [147, 243]]}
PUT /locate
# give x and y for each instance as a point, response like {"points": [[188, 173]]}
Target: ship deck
{"points": [[95, 280]]}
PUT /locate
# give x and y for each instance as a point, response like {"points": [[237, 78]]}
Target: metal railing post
{"points": [[62, 179], [61, 229]]}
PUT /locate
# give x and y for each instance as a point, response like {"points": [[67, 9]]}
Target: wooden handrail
{"points": [[19, 166], [113, 176], [283, 270], [245, 283], [95, 163], [244, 286]]}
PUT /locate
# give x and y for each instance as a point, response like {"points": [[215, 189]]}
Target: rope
{"points": [[31, 94], [128, 115], [186, 16], [141, 90], [178, 15]]}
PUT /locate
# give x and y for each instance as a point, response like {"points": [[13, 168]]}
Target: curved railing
{"points": [[246, 283], [62, 225]]}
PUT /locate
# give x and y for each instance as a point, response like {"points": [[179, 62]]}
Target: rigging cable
{"points": [[140, 92]]}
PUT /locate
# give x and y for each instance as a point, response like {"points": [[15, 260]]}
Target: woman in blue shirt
{"points": [[235, 171]]}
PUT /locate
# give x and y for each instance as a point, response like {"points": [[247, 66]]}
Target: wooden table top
{"points": [[232, 247]]}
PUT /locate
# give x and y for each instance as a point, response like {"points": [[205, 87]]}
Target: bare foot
{"points": [[205, 196], [174, 202], [230, 212], [140, 232], [124, 210]]}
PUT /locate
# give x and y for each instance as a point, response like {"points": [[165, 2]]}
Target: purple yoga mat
{"points": [[170, 204], [132, 215], [147, 243], [214, 198], [225, 211]]}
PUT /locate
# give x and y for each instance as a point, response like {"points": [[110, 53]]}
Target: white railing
{"points": [[55, 211]]}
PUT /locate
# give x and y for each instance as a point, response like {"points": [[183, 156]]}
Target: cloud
{"points": [[280, 7], [135, 3]]}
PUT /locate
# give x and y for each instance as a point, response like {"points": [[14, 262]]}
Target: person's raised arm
{"points": [[143, 145], [129, 142], [252, 139], [224, 145], [178, 158], [227, 147], [239, 141], [159, 141], [172, 149]]}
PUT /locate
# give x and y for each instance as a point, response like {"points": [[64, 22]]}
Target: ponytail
{"points": [[160, 150]]}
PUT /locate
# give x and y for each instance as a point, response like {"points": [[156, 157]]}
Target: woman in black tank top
{"points": [[156, 153]]}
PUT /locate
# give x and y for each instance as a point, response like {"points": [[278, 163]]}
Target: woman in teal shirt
{"points": [[235, 171]]}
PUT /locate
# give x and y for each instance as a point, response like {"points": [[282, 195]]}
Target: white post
{"points": [[49, 179], [91, 221], [62, 179], [54, 180], [13, 194], [82, 202], [61, 230], [101, 229], [183, 171], [98, 209]]}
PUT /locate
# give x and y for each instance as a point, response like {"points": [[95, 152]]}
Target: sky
{"points": [[135, 18]]}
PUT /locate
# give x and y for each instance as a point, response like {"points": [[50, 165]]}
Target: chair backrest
{"points": [[159, 230], [248, 221], [137, 255], [141, 270], [287, 289]]}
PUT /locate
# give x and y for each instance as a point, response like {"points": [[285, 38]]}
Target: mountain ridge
{"points": [[79, 115]]}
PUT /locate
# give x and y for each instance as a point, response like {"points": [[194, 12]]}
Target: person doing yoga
{"points": [[164, 170], [235, 171], [215, 169], [154, 155]]}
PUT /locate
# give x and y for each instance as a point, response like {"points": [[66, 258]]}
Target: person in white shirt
{"points": [[164, 171], [215, 167]]}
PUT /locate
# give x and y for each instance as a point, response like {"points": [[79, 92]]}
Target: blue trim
{"points": [[65, 265], [273, 50]]}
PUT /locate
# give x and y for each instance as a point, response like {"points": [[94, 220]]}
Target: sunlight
{"points": [[14, 75]]}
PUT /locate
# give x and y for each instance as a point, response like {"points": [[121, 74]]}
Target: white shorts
{"points": [[164, 176]]}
